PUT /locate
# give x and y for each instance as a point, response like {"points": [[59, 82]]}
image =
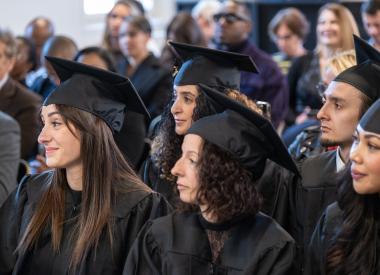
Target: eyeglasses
{"points": [[230, 18]]}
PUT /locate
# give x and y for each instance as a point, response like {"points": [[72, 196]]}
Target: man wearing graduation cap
{"points": [[345, 100]]}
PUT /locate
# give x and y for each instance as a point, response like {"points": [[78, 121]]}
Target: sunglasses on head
{"points": [[228, 17]]}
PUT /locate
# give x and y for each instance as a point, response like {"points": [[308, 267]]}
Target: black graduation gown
{"points": [[178, 244], [327, 226], [150, 174], [153, 82], [318, 190], [130, 212]]}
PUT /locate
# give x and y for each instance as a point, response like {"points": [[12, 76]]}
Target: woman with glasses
{"points": [[347, 237]]}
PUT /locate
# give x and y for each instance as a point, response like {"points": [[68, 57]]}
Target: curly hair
{"points": [[353, 249], [166, 146], [225, 186]]}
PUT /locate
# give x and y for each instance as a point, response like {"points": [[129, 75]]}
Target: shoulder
{"points": [[140, 201], [26, 95], [323, 159], [272, 232], [8, 123]]}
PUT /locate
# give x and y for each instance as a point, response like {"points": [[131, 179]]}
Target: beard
{"points": [[326, 142]]}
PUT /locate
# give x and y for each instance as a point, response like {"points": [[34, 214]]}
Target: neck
{"points": [[208, 216], [299, 51], [74, 177], [136, 60], [344, 152], [327, 52]]}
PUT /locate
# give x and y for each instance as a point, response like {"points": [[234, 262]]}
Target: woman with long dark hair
{"points": [[219, 230], [219, 70], [346, 239], [82, 216]]}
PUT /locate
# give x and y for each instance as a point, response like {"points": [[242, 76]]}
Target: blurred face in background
{"points": [[93, 59], [328, 29], [116, 17], [287, 41], [132, 41], [232, 25], [372, 26], [6, 63]]}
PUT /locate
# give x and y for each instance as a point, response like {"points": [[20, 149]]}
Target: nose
{"points": [[177, 168], [322, 113], [176, 107], [43, 137], [355, 153]]}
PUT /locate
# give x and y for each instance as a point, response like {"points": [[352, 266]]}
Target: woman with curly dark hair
{"points": [[220, 231], [219, 70], [347, 237]]}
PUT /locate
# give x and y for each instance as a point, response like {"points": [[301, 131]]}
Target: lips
{"points": [[179, 121], [180, 186], [324, 128], [356, 175], [50, 150]]}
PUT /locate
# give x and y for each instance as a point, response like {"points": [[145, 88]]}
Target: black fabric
{"points": [[248, 136], [153, 83], [327, 227], [130, 212], [365, 75], [178, 244], [370, 122], [318, 191], [100, 92], [211, 67]]}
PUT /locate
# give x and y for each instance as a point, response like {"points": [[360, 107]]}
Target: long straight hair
{"points": [[105, 173], [353, 249]]}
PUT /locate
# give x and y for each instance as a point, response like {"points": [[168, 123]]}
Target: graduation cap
{"points": [[213, 68], [247, 135], [366, 74], [370, 121], [100, 92]]}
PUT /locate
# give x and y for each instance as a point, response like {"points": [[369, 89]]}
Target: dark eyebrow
{"points": [[368, 136], [53, 113]]}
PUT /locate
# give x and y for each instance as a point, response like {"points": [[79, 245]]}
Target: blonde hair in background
{"points": [[346, 23], [341, 61]]}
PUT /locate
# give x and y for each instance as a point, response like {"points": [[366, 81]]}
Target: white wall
{"points": [[69, 18]]}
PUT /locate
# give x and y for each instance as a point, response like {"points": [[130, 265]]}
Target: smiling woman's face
{"points": [[365, 157], [62, 146]]}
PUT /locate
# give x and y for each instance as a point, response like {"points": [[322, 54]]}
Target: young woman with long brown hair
{"points": [[82, 216]]}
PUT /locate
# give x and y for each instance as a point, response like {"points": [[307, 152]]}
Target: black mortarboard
{"points": [[247, 135], [366, 74], [213, 68], [100, 92], [370, 121]]}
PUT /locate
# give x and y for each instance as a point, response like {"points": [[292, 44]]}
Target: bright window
{"points": [[104, 6]]}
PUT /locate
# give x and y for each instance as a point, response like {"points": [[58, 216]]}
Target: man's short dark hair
{"points": [[370, 7]]}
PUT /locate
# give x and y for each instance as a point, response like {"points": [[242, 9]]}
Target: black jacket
{"points": [[130, 212], [178, 244]]}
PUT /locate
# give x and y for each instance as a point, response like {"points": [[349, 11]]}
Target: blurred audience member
{"points": [[97, 57], [203, 12], [371, 20], [183, 29], [38, 31], [114, 19], [56, 46], [25, 59], [15, 100], [233, 26], [288, 30], [10, 144], [335, 27], [151, 80]]}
